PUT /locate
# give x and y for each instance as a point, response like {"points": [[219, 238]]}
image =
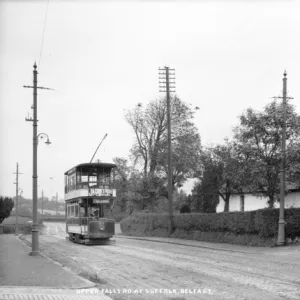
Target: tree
{"points": [[223, 174], [128, 184], [186, 157], [179, 199], [150, 147], [121, 181], [6, 206], [185, 209], [259, 137], [205, 193]]}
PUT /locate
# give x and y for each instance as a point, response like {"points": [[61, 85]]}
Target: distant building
{"points": [[248, 201]]}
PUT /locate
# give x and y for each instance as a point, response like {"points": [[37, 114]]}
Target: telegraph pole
{"points": [[17, 198], [168, 86], [281, 222], [35, 231]]}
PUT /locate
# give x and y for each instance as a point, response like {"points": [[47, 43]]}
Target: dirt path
{"points": [[168, 271]]}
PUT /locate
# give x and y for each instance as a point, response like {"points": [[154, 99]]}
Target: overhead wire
{"points": [[42, 44]]}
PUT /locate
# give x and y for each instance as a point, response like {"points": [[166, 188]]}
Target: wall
{"points": [[253, 202]]}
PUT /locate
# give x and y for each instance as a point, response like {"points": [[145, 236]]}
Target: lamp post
{"points": [[35, 230], [35, 233], [281, 222]]}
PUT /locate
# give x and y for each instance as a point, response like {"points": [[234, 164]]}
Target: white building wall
{"points": [[253, 202], [292, 200]]}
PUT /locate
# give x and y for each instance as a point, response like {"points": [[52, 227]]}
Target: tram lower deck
{"points": [[90, 230]]}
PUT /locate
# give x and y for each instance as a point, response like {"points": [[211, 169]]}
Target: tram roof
{"points": [[100, 164]]}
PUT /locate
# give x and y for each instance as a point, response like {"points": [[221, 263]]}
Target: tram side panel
{"points": [[91, 228], [103, 228]]}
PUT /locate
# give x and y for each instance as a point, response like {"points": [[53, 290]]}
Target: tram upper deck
{"points": [[96, 180]]}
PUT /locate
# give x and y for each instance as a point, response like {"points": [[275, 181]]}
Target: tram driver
{"points": [[95, 212]]}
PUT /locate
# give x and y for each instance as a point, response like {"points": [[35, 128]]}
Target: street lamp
{"points": [[42, 136], [34, 120]]}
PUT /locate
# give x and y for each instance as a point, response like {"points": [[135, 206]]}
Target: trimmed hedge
{"points": [[23, 228], [263, 223], [118, 217]]}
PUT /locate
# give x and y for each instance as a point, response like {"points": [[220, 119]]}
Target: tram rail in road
{"points": [[241, 273]]}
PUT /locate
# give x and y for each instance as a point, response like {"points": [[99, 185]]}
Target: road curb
{"points": [[46, 293], [182, 243], [89, 284], [36, 289]]}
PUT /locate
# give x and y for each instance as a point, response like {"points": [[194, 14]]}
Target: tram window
{"points": [[91, 211], [84, 178], [100, 178], [93, 178], [95, 211], [72, 181], [82, 211], [72, 210], [107, 177], [78, 176], [76, 211]]}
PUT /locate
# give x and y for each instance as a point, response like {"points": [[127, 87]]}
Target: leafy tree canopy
{"points": [[151, 147], [6, 206], [222, 175], [258, 140]]}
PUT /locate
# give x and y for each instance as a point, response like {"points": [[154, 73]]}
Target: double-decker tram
{"points": [[89, 193]]}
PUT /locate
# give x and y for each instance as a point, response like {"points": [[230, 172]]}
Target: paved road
{"points": [[167, 271]]}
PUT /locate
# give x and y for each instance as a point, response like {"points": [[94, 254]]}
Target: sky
{"points": [[102, 58]]}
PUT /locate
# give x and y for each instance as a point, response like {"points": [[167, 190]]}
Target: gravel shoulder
{"points": [[156, 270]]}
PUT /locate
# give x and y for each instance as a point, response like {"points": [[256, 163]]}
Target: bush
{"points": [[261, 223], [22, 228], [9, 229], [185, 209], [118, 217]]}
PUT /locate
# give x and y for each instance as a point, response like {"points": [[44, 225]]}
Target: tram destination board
{"points": [[101, 201], [101, 192]]}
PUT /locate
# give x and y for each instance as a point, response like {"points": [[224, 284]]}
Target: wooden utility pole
{"points": [[17, 198], [168, 86]]}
